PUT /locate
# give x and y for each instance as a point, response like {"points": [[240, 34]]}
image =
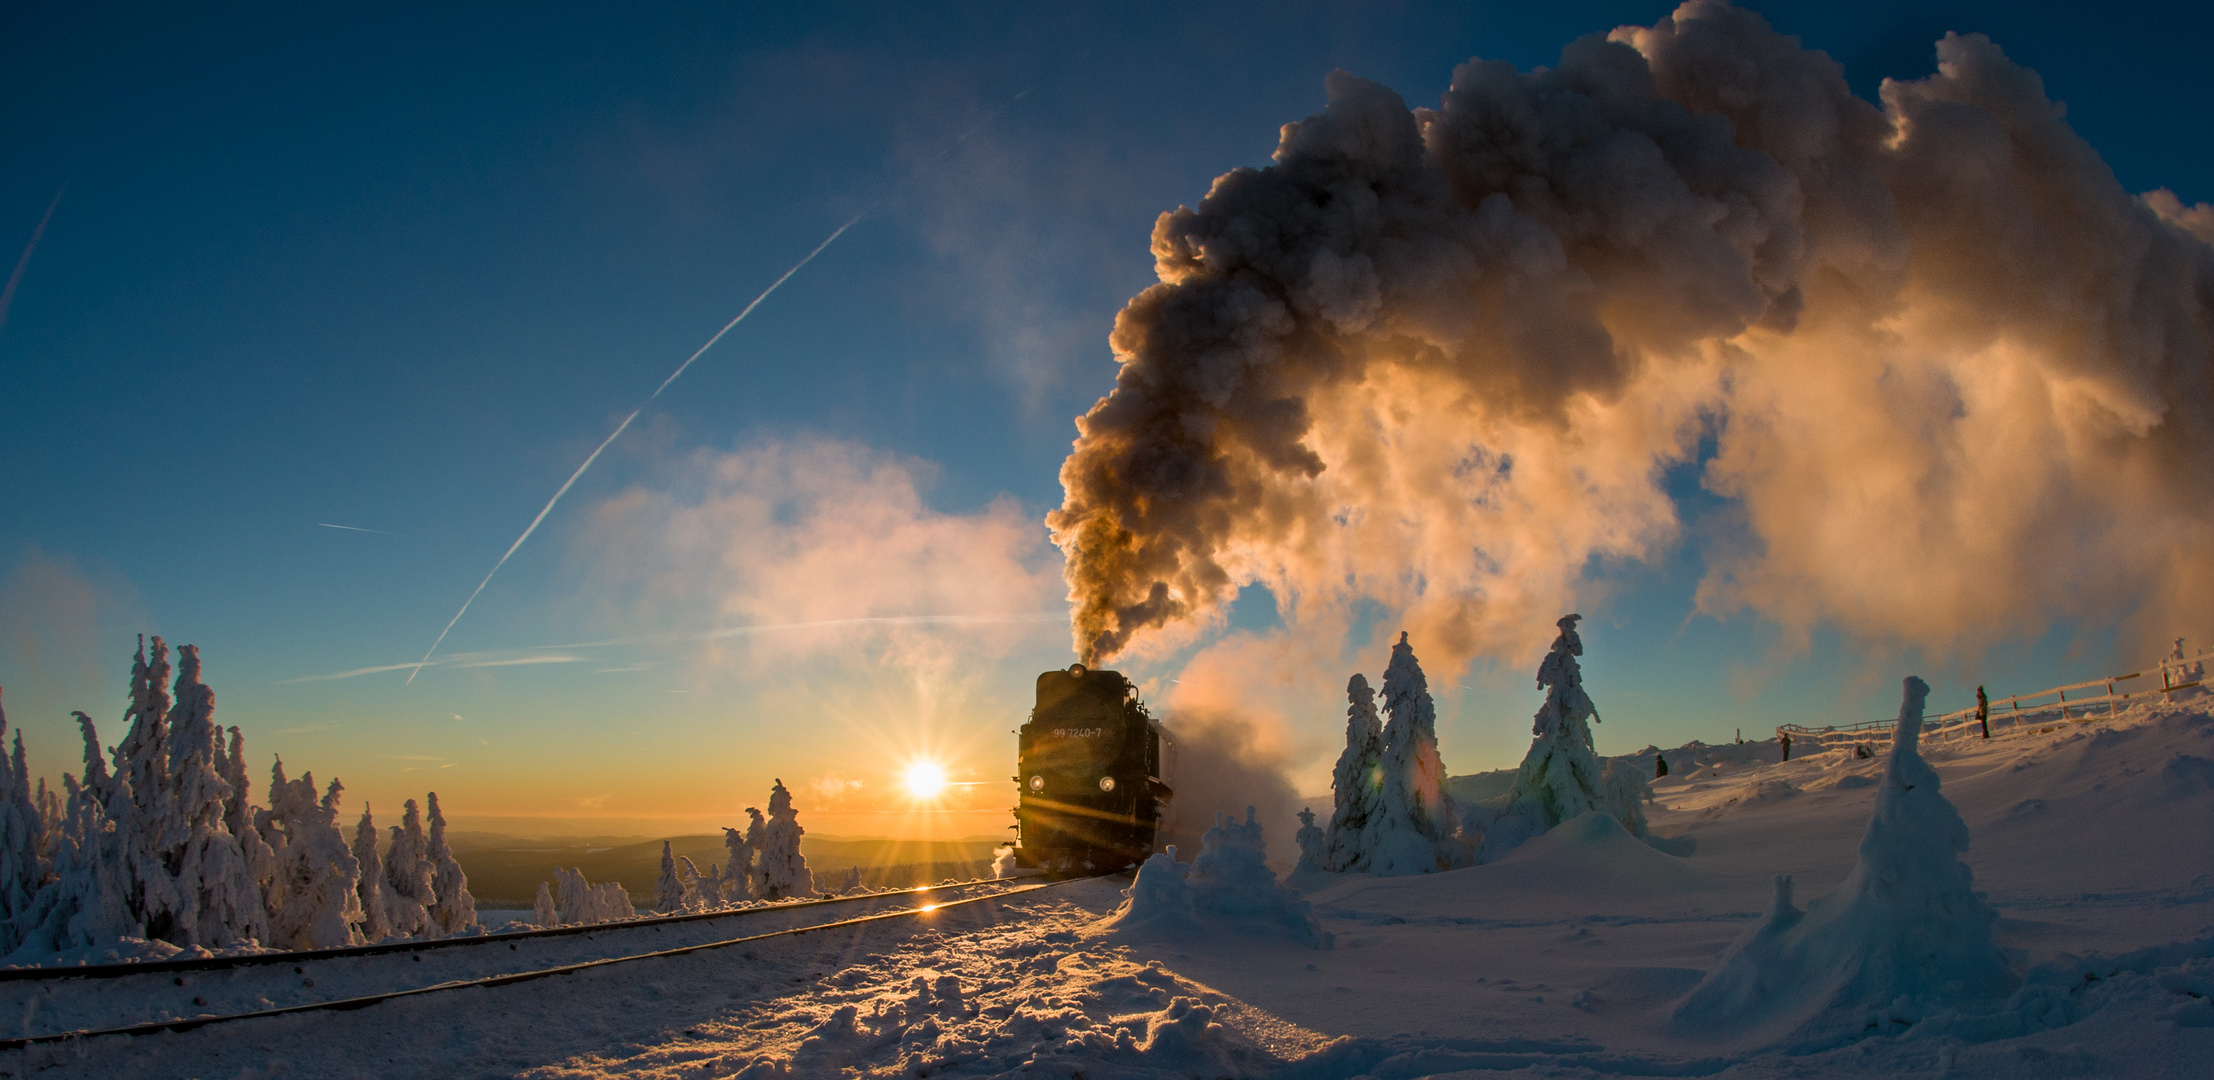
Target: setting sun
{"points": [[925, 780]]}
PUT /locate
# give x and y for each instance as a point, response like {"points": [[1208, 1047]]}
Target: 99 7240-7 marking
{"points": [[1078, 732]]}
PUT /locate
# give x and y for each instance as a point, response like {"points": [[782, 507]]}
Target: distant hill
{"points": [[504, 871]]}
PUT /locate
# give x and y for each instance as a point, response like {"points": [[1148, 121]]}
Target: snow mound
{"points": [[1903, 937], [1592, 853], [1228, 885]]}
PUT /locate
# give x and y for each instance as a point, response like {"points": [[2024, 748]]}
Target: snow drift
{"points": [[1905, 935], [1228, 885]]}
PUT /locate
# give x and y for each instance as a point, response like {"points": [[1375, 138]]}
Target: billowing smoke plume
{"points": [[1956, 376]]}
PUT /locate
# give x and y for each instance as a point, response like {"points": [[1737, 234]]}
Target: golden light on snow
{"points": [[925, 780]]}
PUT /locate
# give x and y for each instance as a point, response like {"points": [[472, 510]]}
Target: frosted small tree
{"points": [[783, 869], [695, 885], [757, 841], [542, 910], [1355, 783], [738, 872], [1312, 841], [408, 870], [452, 909], [240, 818], [1415, 819], [375, 926], [668, 890]]}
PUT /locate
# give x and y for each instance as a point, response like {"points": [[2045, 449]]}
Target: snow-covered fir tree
{"points": [[1415, 821], [852, 883], [738, 871], [22, 835], [542, 910], [668, 889], [783, 869], [86, 904], [375, 926], [317, 904], [696, 897], [583, 902], [1561, 776], [408, 870], [453, 910], [757, 840], [1356, 781], [219, 902]]}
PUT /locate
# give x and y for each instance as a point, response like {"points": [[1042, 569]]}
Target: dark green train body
{"points": [[1089, 772]]}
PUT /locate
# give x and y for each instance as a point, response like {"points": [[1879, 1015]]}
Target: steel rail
{"points": [[364, 1001], [305, 956]]}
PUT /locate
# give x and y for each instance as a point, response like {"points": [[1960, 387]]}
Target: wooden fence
{"points": [[2016, 714]]}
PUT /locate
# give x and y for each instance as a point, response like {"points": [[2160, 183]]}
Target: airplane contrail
{"points": [[355, 528], [7, 294], [611, 436]]}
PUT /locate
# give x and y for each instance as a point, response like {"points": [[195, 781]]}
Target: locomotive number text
{"points": [[1077, 732]]}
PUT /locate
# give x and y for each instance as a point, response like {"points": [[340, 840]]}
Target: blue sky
{"points": [[400, 269]]}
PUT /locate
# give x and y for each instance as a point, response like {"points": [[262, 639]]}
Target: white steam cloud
{"points": [[1956, 376]]}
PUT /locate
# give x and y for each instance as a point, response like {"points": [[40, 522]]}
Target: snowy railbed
{"points": [[62, 1003], [2095, 844]]}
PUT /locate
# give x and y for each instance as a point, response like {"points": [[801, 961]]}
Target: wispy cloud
{"points": [[305, 728], [518, 661]]}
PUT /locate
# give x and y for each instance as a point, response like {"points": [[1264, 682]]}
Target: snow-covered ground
{"points": [[2094, 842]]}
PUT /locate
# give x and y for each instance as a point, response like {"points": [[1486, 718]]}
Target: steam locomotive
{"points": [[1089, 774]]}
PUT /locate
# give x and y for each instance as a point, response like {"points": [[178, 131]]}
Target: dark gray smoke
{"points": [[1440, 358]]}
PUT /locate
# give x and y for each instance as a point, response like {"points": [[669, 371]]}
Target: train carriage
{"points": [[1089, 774]]}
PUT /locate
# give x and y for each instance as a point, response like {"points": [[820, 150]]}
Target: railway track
{"points": [[306, 956], [353, 976]]}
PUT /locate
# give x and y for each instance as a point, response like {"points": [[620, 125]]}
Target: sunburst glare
{"points": [[925, 780]]}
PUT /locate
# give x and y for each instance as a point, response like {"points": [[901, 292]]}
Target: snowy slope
{"points": [[2092, 841]]}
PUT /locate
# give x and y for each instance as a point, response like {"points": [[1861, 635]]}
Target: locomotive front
{"points": [[1088, 769]]}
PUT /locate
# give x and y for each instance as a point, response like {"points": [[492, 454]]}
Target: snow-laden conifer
{"points": [[86, 903], [21, 836], [318, 902], [668, 889], [783, 869], [852, 884], [1355, 784], [408, 870], [695, 897], [542, 910], [220, 903], [139, 802], [1414, 823], [453, 910], [583, 902], [757, 842], [371, 887], [1905, 934], [738, 871], [245, 823], [1313, 843], [1561, 776]]}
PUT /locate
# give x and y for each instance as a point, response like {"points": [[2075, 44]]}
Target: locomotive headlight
{"points": [[1106, 783], [1037, 783]]}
